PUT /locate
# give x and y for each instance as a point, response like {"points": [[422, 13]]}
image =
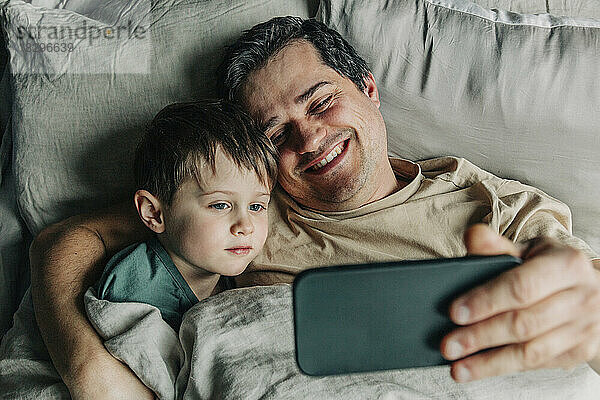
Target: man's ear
{"points": [[150, 210], [371, 89]]}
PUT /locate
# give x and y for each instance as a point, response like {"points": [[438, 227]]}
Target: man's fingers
{"points": [[579, 354], [544, 313], [480, 239], [515, 326], [523, 286], [572, 340]]}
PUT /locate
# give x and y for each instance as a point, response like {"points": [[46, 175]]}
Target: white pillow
{"points": [[517, 94], [77, 115]]}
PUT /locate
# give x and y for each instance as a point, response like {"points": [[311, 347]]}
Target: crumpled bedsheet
{"points": [[239, 345]]}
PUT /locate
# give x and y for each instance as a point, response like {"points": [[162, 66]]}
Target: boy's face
{"points": [[220, 227]]}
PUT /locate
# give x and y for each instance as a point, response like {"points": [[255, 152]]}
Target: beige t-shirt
{"points": [[425, 219]]}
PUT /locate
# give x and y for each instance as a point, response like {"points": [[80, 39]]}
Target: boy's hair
{"points": [[185, 136], [257, 45]]}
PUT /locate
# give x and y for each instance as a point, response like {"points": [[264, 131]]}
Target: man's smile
{"points": [[328, 160]]}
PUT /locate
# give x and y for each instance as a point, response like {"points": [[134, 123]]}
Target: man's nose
{"points": [[308, 137], [242, 224]]}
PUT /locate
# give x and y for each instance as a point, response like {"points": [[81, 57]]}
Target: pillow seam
{"points": [[450, 8]]}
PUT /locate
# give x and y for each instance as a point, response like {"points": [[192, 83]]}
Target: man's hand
{"points": [[105, 377], [66, 259], [544, 313]]}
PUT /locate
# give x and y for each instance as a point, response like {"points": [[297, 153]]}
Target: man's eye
{"points": [[257, 207], [322, 105], [279, 138], [219, 206]]}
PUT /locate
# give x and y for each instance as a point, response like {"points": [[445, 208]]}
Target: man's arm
{"points": [[66, 259], [542, 314]]}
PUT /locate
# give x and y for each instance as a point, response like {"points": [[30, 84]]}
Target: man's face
{"points": [[330, 135], [220, 225]]}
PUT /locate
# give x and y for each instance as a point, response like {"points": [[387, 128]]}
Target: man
{"points": [[344, 200]]}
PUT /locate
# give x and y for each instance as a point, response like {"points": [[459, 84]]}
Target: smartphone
{"points": [[371, 317]]}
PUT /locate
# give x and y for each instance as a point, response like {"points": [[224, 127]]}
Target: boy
{"points": [[204, 173]]}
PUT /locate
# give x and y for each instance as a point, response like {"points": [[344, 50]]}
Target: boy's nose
{"points": [[243, 225]]}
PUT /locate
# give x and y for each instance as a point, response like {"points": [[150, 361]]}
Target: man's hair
{"points": [[257, 45], [185, 136]]}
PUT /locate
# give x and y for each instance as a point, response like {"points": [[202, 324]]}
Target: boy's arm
{"points": [[67, 258]]}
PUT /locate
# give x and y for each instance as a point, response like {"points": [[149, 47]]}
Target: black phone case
{"points": [[370, 317]]}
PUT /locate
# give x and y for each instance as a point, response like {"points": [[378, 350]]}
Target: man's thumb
{"points": [[480, 239]]}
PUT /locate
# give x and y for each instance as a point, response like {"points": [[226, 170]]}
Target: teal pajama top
{"points": [[145, 273]]}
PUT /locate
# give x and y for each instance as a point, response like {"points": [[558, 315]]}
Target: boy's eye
{"points": [[219, 206], [257, 207]]}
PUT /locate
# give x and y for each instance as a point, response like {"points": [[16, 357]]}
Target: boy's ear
{"points": [[150, 210]]}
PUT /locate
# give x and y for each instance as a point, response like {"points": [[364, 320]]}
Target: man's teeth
{"points": [[337, 150]]}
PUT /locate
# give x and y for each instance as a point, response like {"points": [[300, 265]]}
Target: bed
{"points": [[511, 85]]}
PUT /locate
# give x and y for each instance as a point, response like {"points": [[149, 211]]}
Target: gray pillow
{"points": [[79, 110], [517, 94], [581, 8]]}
